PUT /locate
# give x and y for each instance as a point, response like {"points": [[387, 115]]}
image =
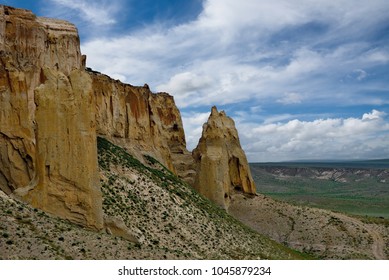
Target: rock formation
{"points": [[46, 118], [221, 164], [66, 183], [52, 109], [139, 120]]}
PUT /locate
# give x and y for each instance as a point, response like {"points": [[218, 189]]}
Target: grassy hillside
{"points": [[169, 219], [167, 214]]}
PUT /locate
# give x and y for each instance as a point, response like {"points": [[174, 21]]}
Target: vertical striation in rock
{"points": [[51, 110], [141, 121], [221, 164], [46, 118], [172, 130]]}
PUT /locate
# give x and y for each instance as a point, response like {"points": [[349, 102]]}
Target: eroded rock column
{"points": [[221, 164]]}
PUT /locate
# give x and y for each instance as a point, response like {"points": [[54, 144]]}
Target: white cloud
{"points": [[224, 56], [232, 18], [193, 127], [100, 12], [331, 138], [349, 138], [378, 56], [290, 98], [374, 115], [186, 82], [259, 52]]}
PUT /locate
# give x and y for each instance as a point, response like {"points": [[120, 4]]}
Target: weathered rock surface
{"points": [[221, 164], [52, 110], [67, 181], [50, 113], [46, 118], [142, 122], [27, 43]]}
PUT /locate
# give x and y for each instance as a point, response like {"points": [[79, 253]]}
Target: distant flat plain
{"points": [[354, 187]]}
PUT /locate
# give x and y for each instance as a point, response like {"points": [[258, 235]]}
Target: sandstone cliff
{"points": [[221, 164], [51, 111], [45, 116], [141, 121]]}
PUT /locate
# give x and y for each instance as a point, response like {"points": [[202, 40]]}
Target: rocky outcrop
{"points": [[46, 118], [66, 183], [221, 164], [117, 227], [51, 111], [27, 44], [141, 121]]}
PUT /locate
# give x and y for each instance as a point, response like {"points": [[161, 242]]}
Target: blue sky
{"points": [[302, 79]]}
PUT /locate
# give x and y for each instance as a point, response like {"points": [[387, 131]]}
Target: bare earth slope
{"points": [[326, 234]]}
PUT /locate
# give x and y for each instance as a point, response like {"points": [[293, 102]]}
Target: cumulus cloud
{"points": [[374, 115], [311, 54], [186, 82], [337, 138], [319, 139], [229, 53]]}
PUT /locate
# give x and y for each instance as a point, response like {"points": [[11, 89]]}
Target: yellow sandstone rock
{"points": [[67, 182], [221, 164], [48, 148], [51, 110], [141, 121]]}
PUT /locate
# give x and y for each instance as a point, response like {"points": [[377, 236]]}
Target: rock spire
{"points": [[221, 164]]}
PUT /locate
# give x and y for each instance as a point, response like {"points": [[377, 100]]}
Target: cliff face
{"points": [[51, 111], [221, 164], [45, 116], [141, 121], [27, 43]]}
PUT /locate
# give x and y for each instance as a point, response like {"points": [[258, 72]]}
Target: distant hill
{"points": [[368, 164], [357, 187]]}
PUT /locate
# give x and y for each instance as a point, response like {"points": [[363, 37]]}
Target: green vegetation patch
{"points": [[355, 191]]}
